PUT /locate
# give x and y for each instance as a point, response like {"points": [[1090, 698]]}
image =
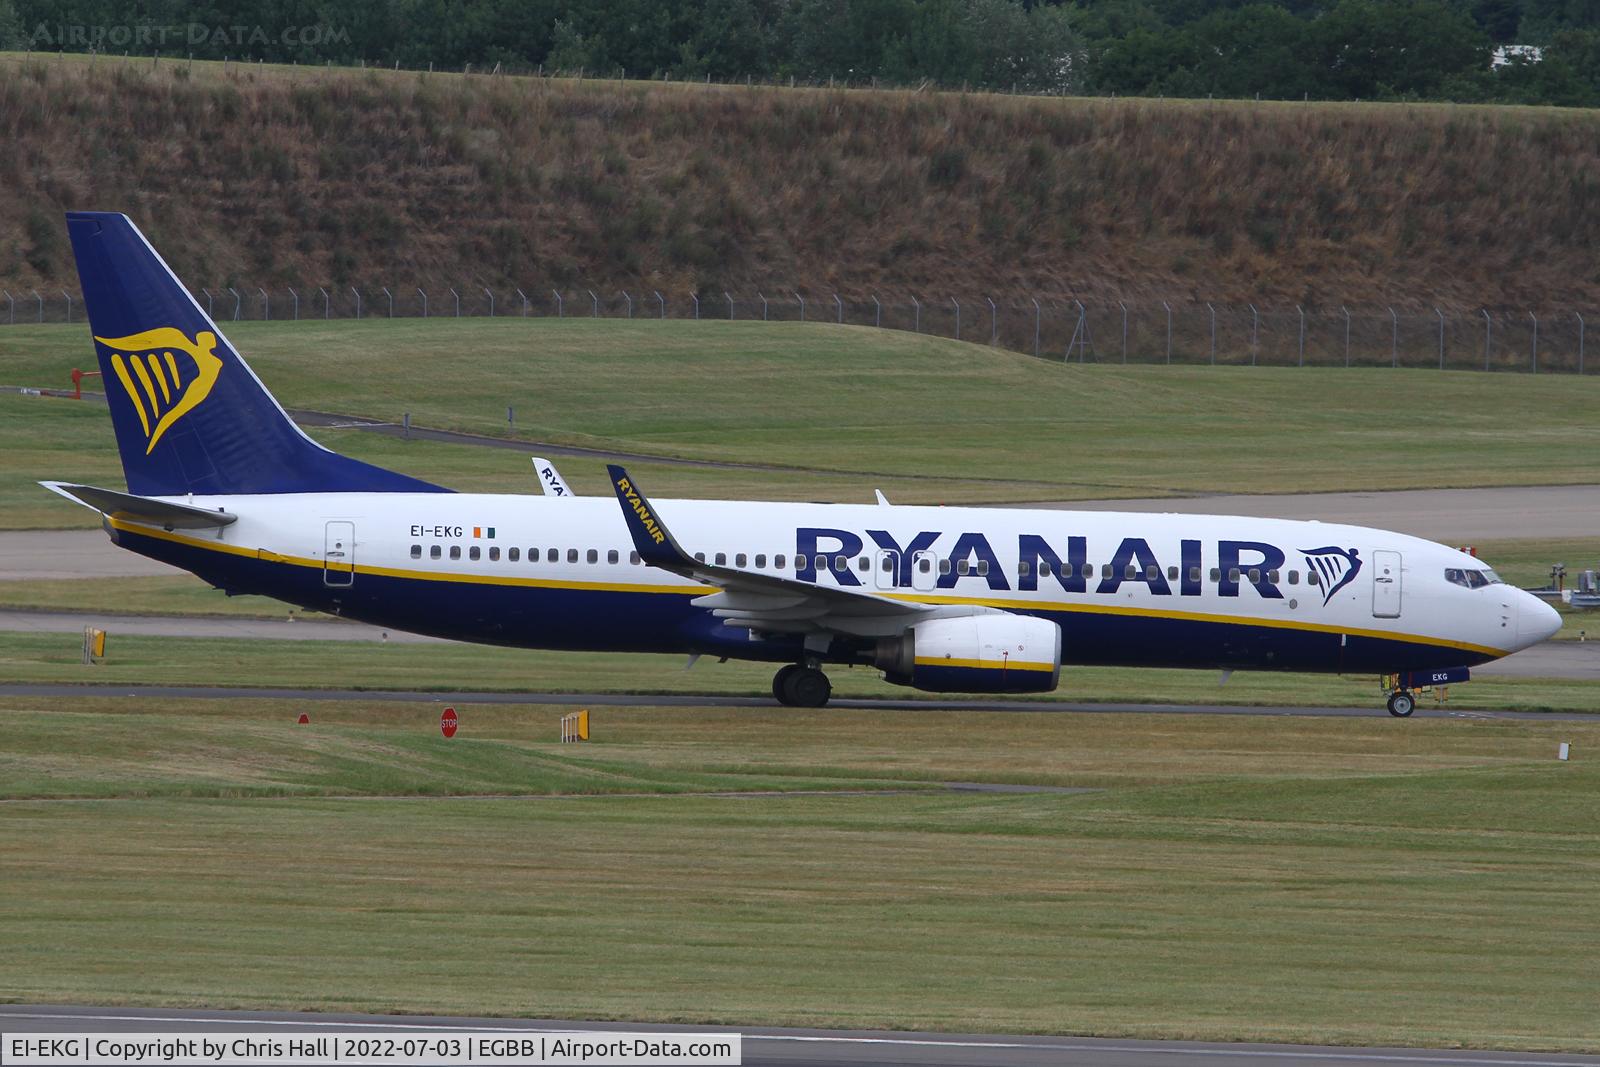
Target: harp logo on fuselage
{"points": [[165, 374]]}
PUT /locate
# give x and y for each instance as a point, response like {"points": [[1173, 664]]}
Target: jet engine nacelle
{"points": [[977, 654]]}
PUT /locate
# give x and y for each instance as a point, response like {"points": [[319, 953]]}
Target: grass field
{"points": [[929, 420], [1355, 881], [134, 659]]}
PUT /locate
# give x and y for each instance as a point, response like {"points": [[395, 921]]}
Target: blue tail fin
{"points": [[189, 414]]}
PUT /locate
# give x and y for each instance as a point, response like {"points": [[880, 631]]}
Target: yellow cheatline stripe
{"points": [[172, 365], [1197, 616], [984, 665], [133, 394], [267, 555], [144, 380], [159, 376], [700, 590]]}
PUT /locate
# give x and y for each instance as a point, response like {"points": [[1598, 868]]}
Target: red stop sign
{"points": [[448, 722]]}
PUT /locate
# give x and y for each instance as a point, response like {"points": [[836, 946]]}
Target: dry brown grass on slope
{"points": [[266, 176]]}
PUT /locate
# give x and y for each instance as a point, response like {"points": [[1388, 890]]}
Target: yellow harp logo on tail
{"points": [[163, 385]]}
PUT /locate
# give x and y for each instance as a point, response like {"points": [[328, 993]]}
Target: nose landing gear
{"points": [[800, 686], [1402, 704]]}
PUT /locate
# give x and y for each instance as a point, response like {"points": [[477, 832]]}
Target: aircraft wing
{"points": [[119, 505], [769, 603]]}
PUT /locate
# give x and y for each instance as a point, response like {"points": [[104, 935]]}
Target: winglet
{"points": [[651, 539], [549, 478]]}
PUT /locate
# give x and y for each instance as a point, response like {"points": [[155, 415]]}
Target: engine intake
{"points": [[976, 654]]}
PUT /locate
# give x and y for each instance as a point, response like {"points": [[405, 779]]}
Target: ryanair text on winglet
{"points": [[640, 510]]}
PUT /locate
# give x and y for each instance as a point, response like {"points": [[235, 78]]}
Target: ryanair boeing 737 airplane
{"points": [[980, 600]]}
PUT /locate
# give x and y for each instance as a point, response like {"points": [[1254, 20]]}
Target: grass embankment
{"points": [[298, 177], [1364, 882], [928, 420], [445, 668]]}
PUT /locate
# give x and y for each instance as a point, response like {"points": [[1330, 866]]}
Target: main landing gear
{"points": [[801, 686], [1402, 704]]}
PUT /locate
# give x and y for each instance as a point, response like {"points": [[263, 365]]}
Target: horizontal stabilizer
{"points": [[142, 509]]}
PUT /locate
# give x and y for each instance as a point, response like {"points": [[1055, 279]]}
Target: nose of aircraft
{"points": [[1536, 620]]}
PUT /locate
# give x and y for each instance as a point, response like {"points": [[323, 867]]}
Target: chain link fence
{"points": [[1141, 331]]}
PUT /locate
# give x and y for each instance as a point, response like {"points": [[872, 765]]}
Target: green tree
{"points": [[1408, 48]]}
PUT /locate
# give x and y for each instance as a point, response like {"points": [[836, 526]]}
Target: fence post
{"points": [[839, 304], [209, 313], [994, 321], [1255, 333], [696, 298], [458, 302], [356, 291], [1169, 329], [69, 308], [957, 303], [11, 308], [877, 311], [296, 298], [1213, 332], [661, 300], [1037, 314], [917, 321], [1580, 341], [1439, 313], [266, 305], [1535, 319], [39, 298], [1488, 336], [524, 302], [802, 300], [629, 298], [1302, 311], [763, 304], [327, 304], [560, 304], [1346, 334], [236, 302], [729, 297], [490, 293], [424, 301], [1124, 308], [1394, 339], [594, 309]]}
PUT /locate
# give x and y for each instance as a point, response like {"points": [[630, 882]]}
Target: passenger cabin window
{"points": [[1088, 570], [777, 563], [741, 560], [1044, 568], [863, 564], [1294, 577], [572, 555], [1194, 574], [1313, 578], [761, 561], [1105, 570], [633, 558], [593, 556], [1233, 574], [494, 553], [455, 551], [1216, 575], [552, 556], [983, 567], [1172, 574], [944, 566], [416, 551], [433, 552], [513, 554], [722, 559], [924, 565], [1130, 572], [963, 567], [840, 564], [612, 557], [799, 563], [1272, 576], [701, 556], [474, 552], [1152, 572], [1022, 568], [888, 564]]}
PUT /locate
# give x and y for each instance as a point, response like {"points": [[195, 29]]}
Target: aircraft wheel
{"points": [[780, 682], [1401, 705], [807, 687]]}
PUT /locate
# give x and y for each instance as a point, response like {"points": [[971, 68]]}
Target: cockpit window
{"points": [[1471, 579]]}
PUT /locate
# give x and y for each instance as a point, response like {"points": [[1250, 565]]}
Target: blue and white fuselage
{"points": [[221, 483]]}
